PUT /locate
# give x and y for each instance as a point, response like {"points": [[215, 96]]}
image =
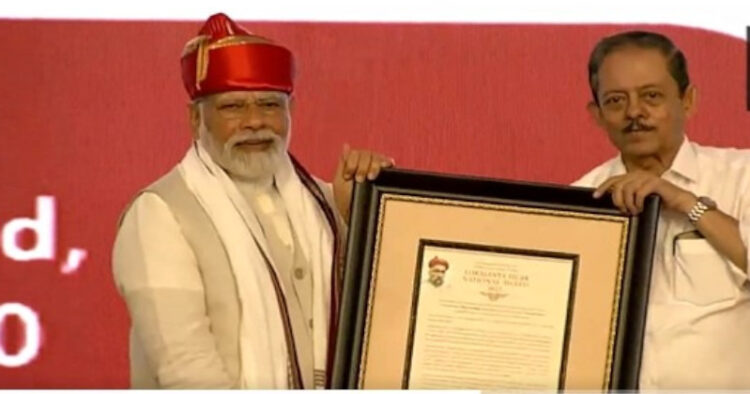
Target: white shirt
{"points": [[698, 325]]}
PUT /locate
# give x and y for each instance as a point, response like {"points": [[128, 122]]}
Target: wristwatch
{"points": [[703, 205]]}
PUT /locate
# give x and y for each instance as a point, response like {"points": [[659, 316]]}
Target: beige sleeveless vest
{"points": [[222, 299]]}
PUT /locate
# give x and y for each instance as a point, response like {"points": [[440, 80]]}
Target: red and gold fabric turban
{"points": [[224, 56]]}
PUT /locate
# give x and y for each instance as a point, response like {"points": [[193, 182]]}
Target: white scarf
{"points": [[263, 347]]}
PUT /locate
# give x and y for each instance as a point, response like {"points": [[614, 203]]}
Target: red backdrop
{"points": [[92, 111]]}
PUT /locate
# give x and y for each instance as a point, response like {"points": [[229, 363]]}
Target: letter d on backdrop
{"points": [[44, 227]]}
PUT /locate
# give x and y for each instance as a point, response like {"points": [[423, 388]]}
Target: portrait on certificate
{"points": [[489, 317]]}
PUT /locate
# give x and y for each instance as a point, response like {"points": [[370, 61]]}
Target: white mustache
{"points": [[252, 137]]}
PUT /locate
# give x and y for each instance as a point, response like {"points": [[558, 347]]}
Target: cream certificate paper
{"points": [[489, 318]]}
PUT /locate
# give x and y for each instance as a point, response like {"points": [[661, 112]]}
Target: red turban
{"points": [[224, 56], [438, 261]]}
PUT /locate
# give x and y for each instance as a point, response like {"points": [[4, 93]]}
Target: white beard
{"points": [[247, 165]]}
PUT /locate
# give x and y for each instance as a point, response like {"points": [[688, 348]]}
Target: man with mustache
{"points": [[230, 263], [698, 325]]}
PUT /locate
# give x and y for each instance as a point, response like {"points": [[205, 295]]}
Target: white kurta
{"points": [[153, 258], [698, 325]]}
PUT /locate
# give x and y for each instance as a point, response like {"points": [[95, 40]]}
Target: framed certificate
{"points": [[466, 283]]}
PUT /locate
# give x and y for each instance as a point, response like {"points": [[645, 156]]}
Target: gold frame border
{"points": [[495, 207]]}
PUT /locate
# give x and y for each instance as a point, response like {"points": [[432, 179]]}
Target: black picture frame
{"points": [[362, 232]]}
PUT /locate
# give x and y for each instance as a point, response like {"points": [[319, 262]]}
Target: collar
{"points": [[685, 163]]}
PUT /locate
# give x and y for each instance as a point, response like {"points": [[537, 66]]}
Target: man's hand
{"points": [[355, 165], [630, 190]]}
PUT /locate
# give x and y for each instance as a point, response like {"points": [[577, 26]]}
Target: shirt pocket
{"points": [[701, 275]]}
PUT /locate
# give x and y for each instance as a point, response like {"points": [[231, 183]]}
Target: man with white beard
{"points": [[230, 263]]}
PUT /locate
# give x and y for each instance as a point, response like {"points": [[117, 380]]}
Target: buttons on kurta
{"points": [[299, 273]]}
